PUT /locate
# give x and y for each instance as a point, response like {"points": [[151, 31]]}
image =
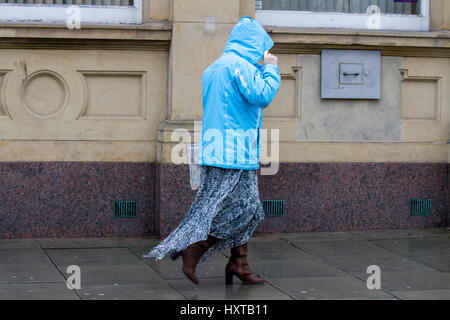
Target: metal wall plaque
{"points": [[351, 74]]}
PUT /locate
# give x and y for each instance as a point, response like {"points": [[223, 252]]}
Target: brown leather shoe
{"points": [[191, 256], [238, 266]]}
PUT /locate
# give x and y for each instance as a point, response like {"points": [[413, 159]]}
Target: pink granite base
{"points": [[328, 196], [74, 199]]}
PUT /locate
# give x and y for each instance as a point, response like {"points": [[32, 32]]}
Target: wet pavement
{"points": [[414, 264]]}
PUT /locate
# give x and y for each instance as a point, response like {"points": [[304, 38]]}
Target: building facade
{"points": [[92, 92]]}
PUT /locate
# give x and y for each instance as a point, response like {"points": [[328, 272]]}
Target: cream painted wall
{"points": [[425, 101], [94, 103], [439, 14], [384, 139], [347, 120], [159, 9], [60, 98]]}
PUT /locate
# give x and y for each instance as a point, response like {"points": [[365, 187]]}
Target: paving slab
{"points": [[129, 292], [369, 298], [341, 248], [71, 243], [63, 243], [92, 256], [116, 274], [29, 272], [411, 280], [273, 249], [359, 263], [293, 268], [437, 262], [139, 242], [399, 233], [36, 291], [416, 246], [19, 243], [443, 294], [317, 236], [215, 289], [141, 250], [22, 255], [169, 270], [415, 264], [313, 288]]}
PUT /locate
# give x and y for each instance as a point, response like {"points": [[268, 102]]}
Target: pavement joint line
{"points": [[391, 251], [174, 289], [60, 272], [279, 289], [396, 296], [300, 249], [384, 290], [365, 281], [149, 266], [144, 261]]}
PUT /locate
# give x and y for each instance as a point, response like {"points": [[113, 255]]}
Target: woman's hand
{"points": [[270, 58]]}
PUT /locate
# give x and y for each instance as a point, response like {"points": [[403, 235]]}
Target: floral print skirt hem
{"points": [[227, 206]]}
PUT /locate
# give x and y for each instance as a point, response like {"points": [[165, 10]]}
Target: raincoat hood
{"points": [[235, 90], [249, 40]]}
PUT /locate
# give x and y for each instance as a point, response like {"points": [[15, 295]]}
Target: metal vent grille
{"points": [[274, 208], [420, 207], [125, 208]]}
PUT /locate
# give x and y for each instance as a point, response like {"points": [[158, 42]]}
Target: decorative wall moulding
{"points": [[293, 113], [44, 94], [4, 113], [113, 95], [401, 50], [86, 44], [417, 92]]}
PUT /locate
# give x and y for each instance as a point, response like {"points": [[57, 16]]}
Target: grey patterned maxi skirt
{"points": [[227, 206]]}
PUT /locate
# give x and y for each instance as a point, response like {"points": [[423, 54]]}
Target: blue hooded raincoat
{"points": [[235, 90]]}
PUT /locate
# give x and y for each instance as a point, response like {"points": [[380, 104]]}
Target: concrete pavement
{"points": [[414, 264]]}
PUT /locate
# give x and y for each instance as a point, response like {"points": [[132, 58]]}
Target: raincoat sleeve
{"points": [[258, 85]]}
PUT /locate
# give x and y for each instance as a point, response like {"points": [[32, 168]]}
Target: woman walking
{"points": [[227, 208]]}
